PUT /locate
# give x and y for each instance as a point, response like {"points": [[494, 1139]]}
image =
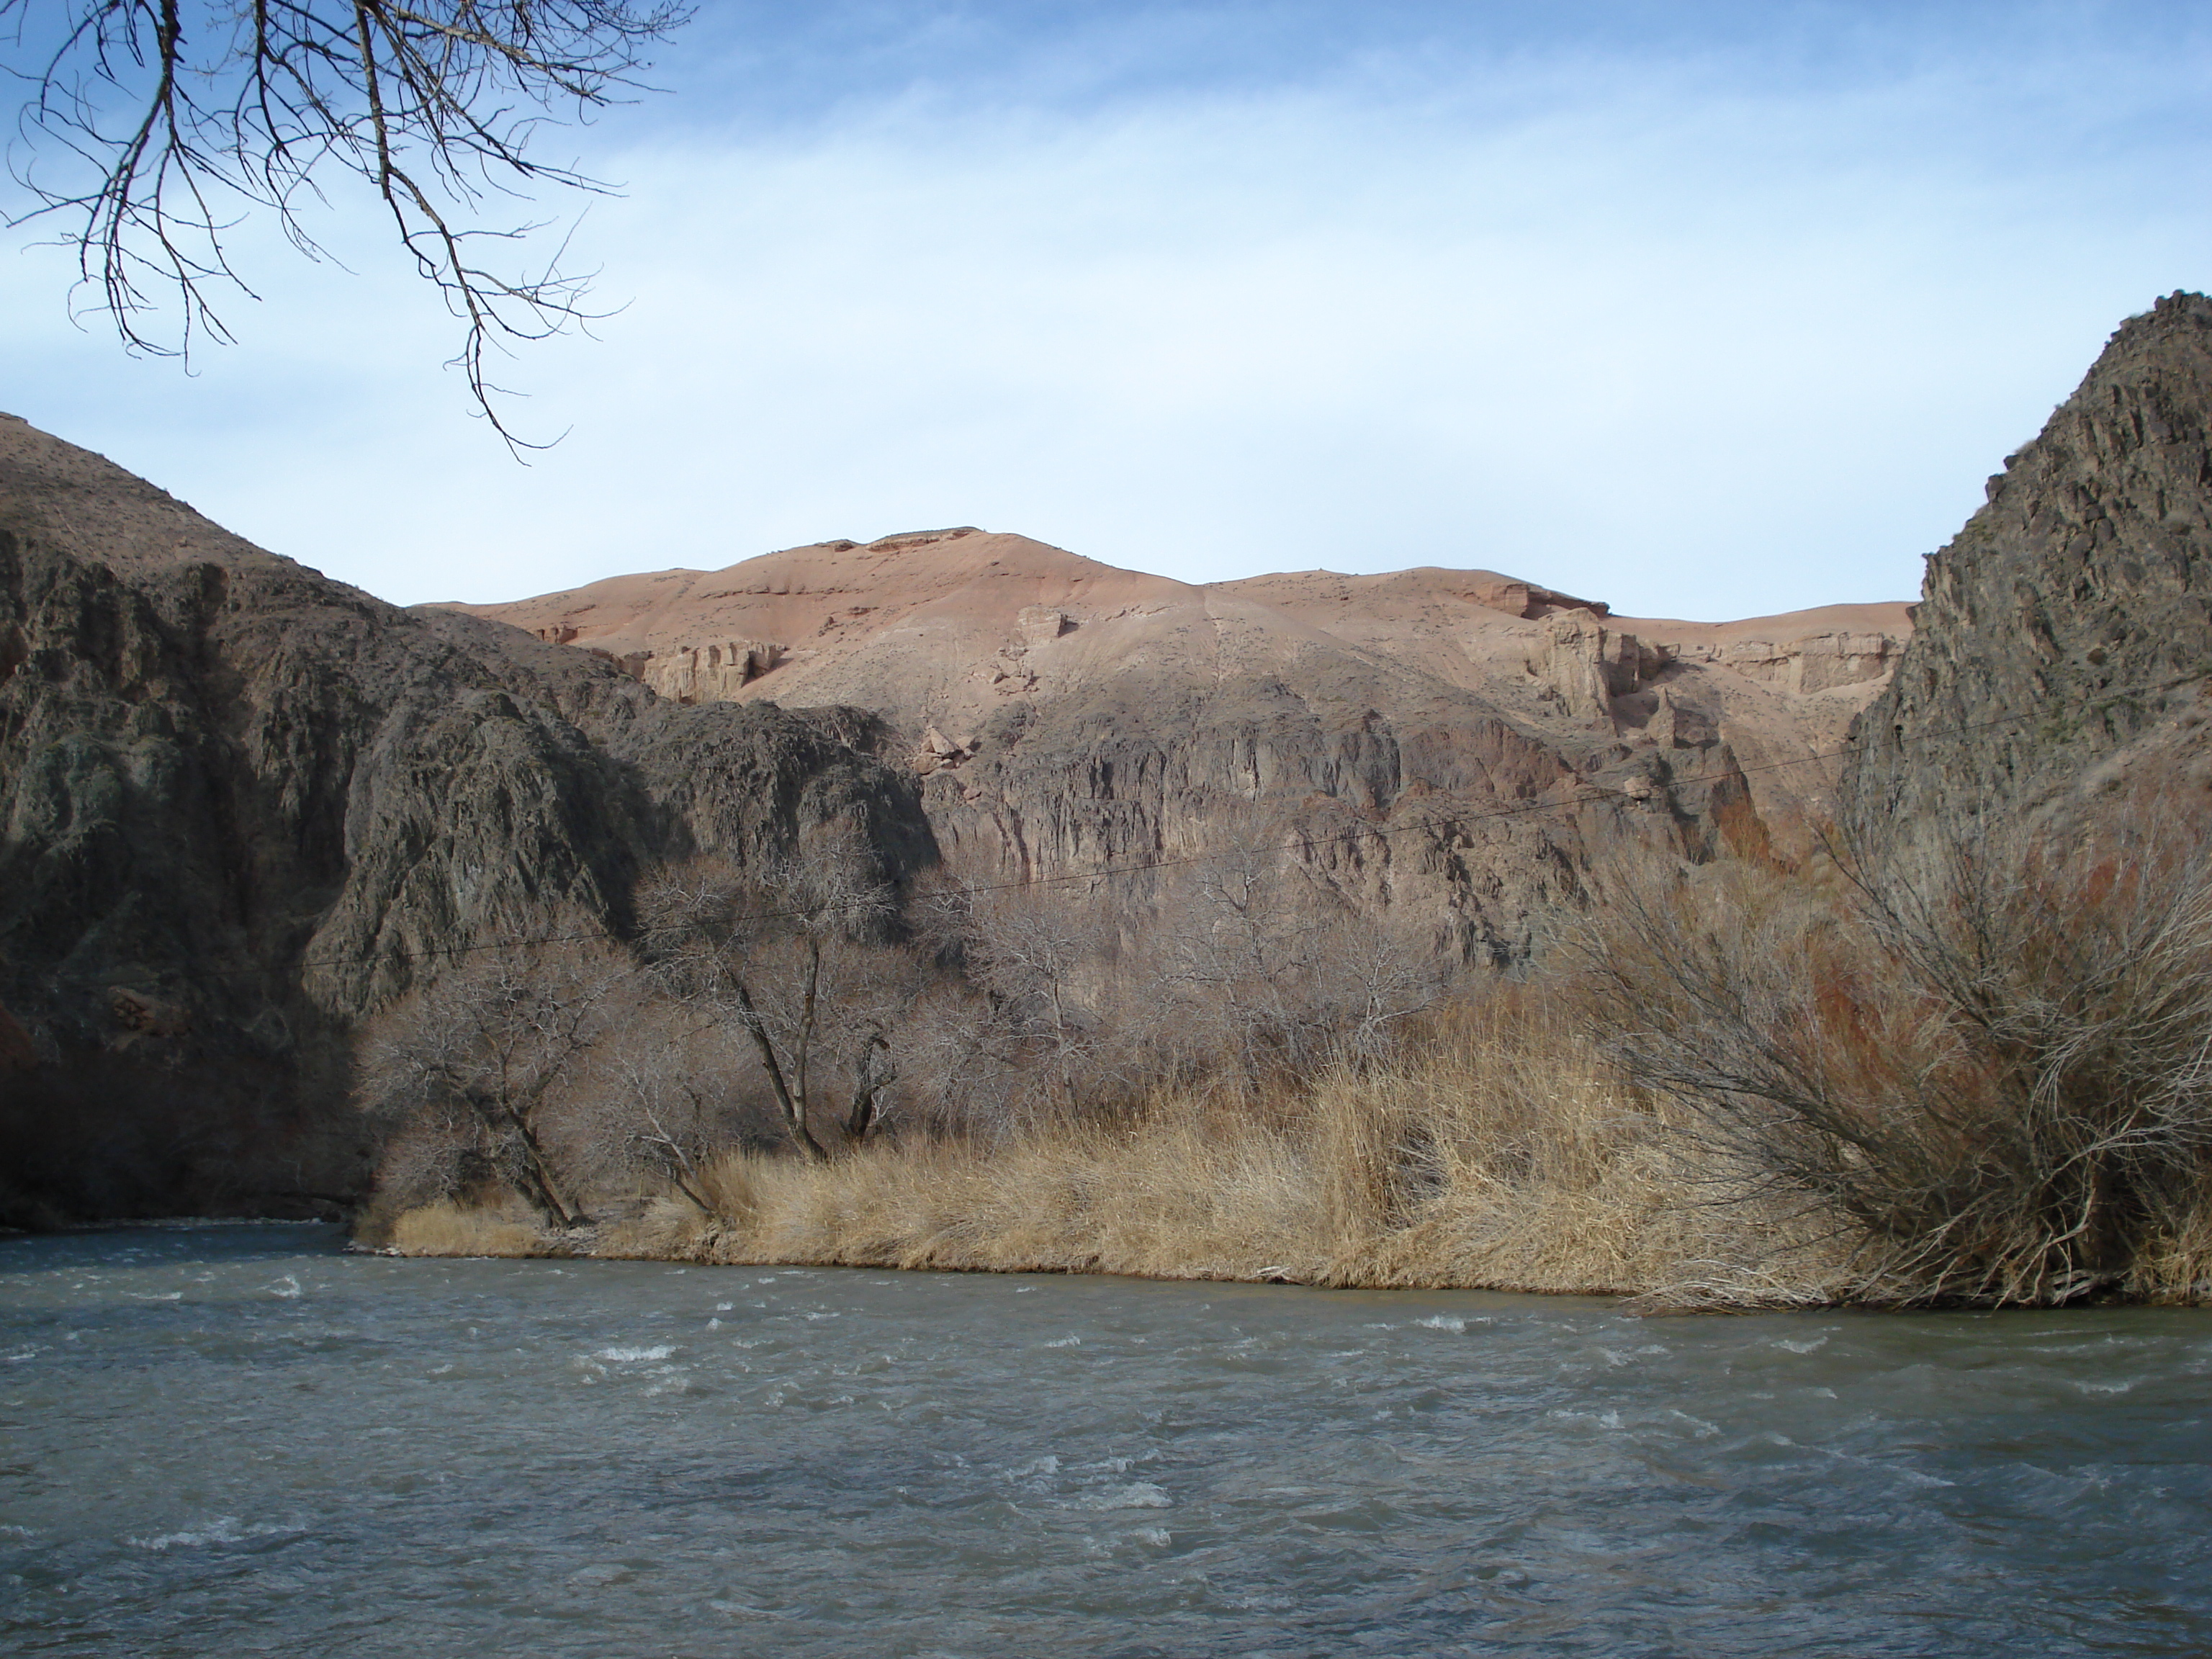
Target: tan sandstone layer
{"points": [[942, 631]]}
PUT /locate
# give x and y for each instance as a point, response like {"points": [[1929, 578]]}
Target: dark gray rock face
{"points": [[2064, 640], [241, 805], [1445, 812]]}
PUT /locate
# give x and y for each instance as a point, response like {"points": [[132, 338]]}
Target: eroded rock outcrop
{"points": [[241, 805], [715, 672], [2064, 636], [1443, 812], [1816, 662], [1586, 665], [953, 636]]}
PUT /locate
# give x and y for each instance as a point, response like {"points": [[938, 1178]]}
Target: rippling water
{"points": [[234, 1440]]}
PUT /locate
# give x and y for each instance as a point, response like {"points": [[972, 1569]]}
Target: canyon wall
{"points": [[1451, 749], [2063, 651], [241, 805]]}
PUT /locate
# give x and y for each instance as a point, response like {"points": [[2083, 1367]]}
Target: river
{"points": [[229, 1440]]}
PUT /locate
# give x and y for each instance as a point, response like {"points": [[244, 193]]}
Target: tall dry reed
{"points": [[445, 1228], [1504, 1153]]}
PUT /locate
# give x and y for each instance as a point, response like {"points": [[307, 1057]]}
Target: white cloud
{"points": [[1657, 336]]}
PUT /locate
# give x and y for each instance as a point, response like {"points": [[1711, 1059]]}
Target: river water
{"points": [[237, 1440]]}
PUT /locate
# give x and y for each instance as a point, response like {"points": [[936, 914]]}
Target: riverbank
{"points": [[1505, 1155], [1742, 1091]]}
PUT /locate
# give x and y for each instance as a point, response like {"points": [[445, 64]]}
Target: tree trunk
{"points": [[793, 1107], [871, 1083], [537, 1185]]}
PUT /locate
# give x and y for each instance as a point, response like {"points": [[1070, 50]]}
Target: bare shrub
{"points": [[469, 1074], [1987, 1067]]}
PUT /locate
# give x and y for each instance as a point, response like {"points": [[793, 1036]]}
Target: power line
{"points": [[1592, 795]]}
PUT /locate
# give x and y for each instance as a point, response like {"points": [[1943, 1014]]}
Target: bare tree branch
{"points": [[149, 130]]}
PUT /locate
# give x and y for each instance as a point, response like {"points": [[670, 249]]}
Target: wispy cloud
{"points": [[1705, 329]]}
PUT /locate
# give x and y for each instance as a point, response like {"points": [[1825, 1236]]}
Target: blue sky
{"points": [[1704, 310]]}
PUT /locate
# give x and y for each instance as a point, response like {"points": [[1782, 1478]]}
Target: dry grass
{"points": [[1505, 1155], [447, 1229], [2175, 1267]]}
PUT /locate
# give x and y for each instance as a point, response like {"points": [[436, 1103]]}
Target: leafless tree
{"points": [[1236, 949], [1038, 955], [475, 1065], [798, 956], [962, 1071], [1375, 979], [666, 1105], [1290, 971], [150, 127]]}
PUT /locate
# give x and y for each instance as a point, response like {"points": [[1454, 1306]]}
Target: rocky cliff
{"points": [[1449, 746], [240, 805], [1402, 795], [2064, 642]]}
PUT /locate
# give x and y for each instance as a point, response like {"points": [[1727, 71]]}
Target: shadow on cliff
{"points": [[114, 1137]]}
